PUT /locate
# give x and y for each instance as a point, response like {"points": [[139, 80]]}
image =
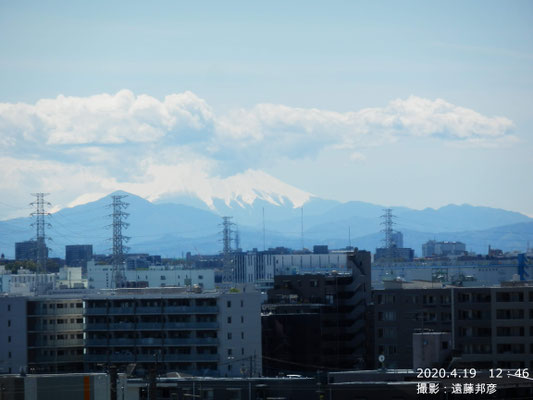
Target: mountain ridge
{"points": [[187, 228]]}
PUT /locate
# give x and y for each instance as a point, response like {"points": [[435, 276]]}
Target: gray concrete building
{"points": [[202, 333], [77, 255], [329, 308], [490, 327], [13, 341]]}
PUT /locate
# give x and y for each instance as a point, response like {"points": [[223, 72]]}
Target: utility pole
{"points": [[118, 278], [40, 224]]}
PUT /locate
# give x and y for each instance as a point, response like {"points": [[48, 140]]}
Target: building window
{"points": [[9, 339], [228, 304], [242, 303], [229, 335], [9, 355], [242, 335], [386, 316], [242, 319], [8, 323], [229, 320], [9, 307], [230, 352]]}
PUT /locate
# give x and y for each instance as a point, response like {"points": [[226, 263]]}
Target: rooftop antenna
{"points": [[264, 241], [349, 237], [237, 238], [302, 230]]}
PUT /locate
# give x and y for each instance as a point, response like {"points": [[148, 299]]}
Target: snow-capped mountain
{"points": [[180, 220], [241, 190]]}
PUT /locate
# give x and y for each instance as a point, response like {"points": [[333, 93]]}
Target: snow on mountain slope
{"points": [[240, 190]]}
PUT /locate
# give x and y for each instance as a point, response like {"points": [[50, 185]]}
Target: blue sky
{"points": [[418, 104]]}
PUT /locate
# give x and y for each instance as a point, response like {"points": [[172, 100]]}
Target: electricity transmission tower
{"points": [[227, 272], [40, 225], [388, 224], [118, 278]]}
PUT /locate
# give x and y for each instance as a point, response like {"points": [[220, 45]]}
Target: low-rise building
{"points": [[100, 276]]}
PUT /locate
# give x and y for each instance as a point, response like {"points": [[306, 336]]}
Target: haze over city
{"points": [[403, 104]]}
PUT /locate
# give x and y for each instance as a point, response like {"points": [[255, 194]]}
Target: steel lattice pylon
{"points": [[118, 278], [40, 225], [227, 273], [388, 223]]}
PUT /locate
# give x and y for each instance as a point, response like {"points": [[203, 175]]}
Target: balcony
{"points": [[122, 326], [96, 342], [190, 357], [57, 343], [122, 342], [190, 341], [190, 325], [96, 311], [97, 358], [122, 357], [74, 311], [150, 326], [121, 311], [58, 359], [96, 327], [149, 310], [55, 328], [149, 342]]}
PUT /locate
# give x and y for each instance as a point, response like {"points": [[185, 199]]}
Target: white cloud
{"points": [[299, 131], [105, 119], [179, 145]]}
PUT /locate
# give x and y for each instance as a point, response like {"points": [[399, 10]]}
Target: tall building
{"points": [[77, 255], [397, 239], [28, 250], [433, 248], [315, 320], [394, 254]]}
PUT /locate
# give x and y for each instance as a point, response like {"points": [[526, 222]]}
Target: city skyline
{"points": [[404, 104]]}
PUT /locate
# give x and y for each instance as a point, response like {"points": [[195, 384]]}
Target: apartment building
{"points": [[205, 333], [490, 327], [315, 320]]}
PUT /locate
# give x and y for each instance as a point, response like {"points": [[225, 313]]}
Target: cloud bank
{"points": [[104, 142]]}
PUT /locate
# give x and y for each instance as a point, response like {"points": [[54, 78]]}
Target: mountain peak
{"points": [[242, 190]]}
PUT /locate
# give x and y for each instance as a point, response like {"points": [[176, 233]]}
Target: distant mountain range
{"points": [[173, 226]]}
